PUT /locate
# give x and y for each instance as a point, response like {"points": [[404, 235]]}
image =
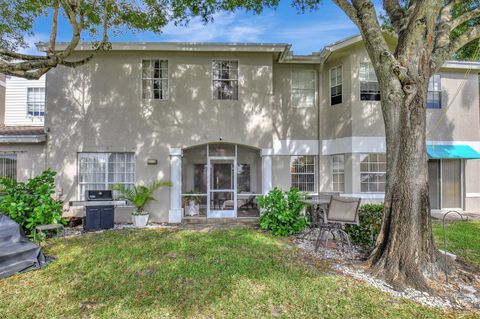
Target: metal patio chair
{"points": [[316, 213], [340, 211]]}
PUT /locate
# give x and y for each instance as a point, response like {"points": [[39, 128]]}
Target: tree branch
{"points": [[475, 13], [349, 10], [54, 30], [396, 14], [20, 56], [441, 54]]}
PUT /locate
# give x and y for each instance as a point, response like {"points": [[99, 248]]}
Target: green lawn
{"points": [[236, 273], [463, 239]]}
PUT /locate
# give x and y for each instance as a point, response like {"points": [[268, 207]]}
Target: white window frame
{"points": [[438, 91], [292, 89], [165, 98], [106, 181], [338, 172], [35, 103], [3, 164], [214, 97], [331, 84], [378, 172], [292, 158], [369, 70]]}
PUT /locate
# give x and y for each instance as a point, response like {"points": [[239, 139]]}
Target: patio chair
{"points": [[341, 211], [316, 215]]}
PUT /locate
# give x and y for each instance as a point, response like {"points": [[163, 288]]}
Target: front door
{"points": [[221, 188]]}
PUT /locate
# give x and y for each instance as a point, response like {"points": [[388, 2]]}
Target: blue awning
{"points": [[451, 151]]}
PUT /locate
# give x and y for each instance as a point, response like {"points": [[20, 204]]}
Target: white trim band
{"points": [[295, 147], [472, 195]]}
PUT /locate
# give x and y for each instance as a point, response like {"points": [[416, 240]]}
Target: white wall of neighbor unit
{"points": [[16, 113]]}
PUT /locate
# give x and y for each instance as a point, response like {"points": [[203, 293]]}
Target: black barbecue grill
{"points": [[99, 209]]}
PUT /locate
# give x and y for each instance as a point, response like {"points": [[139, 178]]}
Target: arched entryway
{"points": [[221, 180]]}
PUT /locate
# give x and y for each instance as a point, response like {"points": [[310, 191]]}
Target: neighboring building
{"points": [[228, 122], [22, 137]]}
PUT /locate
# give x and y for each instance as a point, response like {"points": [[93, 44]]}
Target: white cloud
{"points": [[31, 40]]}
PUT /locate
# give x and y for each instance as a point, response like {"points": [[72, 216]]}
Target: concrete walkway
{"points": [[454, 216]]}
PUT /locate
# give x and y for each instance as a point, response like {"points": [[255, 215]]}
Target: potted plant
{"points": [[139, 196], [191, 203]]}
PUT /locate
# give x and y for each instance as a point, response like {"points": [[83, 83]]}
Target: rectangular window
{"points": [[336, 85], [36, 102], [98, 171], [303, 88], [373, 168], [369, 88], [302, 169], [200, 178], [338, 173], [225, 80], [8, 166], [155, 79], [434, 94]]}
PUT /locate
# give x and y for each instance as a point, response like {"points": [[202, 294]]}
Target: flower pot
{"points": [[140, 220]]}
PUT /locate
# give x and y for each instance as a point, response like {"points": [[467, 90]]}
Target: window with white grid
{"points": [[8, 166], [303, 88], [369, 88], [99, 171], [36, 102], [225, 80], [302, 170], [373, 168], [336, 85], [434, 94], [155, 79], [338, 173]]}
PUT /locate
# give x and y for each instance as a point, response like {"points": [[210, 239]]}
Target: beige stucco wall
{"points": [[98, 108], [336, 120], [472, 185], [460, 104], [30, 159], [292, 122]]}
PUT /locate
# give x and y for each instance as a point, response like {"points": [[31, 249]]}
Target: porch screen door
{"points": [[434, 183], [451, 183], [222, 188]]}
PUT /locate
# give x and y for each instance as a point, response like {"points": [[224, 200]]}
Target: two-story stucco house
{"points": [[228, 122], [22, 137]]}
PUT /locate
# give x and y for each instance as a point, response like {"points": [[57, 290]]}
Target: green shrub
{"points": [[365, 234], [30, 203], [282, 212]]}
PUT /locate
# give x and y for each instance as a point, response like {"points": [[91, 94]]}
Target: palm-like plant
{"points": [[139, 195]]}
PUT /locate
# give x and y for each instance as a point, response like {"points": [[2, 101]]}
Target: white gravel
{"points": [[348, 261]]}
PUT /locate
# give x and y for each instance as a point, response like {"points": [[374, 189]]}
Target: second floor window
{"points": [[369, 88], [434, 94], [155, 79], [36, 102], [302, 169], [336, 85], [225, 80], [303, 88]]}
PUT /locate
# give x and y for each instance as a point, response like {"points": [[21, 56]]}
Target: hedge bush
{"points": [[282, 212], [31, 203], [365, 234]]}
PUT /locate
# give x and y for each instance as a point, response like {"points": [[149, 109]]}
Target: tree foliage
{"points": [[97, 19]]}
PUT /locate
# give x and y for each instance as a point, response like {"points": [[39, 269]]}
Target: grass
{"points": [[180, 274], [463, 239]]}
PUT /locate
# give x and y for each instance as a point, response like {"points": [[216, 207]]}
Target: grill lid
{"points": [[99, 195]]}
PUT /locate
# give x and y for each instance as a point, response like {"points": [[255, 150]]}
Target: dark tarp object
{"points": [[17, 252]]}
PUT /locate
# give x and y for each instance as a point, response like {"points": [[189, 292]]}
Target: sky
{"points": [[307, 32]]}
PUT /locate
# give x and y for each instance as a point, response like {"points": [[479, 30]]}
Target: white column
{"points": [[175, 213], [266, 170]]}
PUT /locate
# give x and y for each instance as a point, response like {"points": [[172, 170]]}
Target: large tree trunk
{"points": [[405, 250]]}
